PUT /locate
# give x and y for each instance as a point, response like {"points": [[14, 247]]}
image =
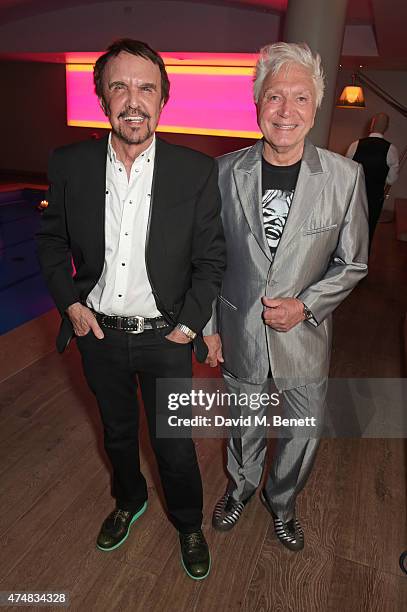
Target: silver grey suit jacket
{"points": [[322, 255]]}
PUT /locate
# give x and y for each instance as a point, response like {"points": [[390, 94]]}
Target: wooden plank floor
{"points": [[55, 493]]}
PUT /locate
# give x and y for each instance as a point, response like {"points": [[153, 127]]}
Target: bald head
{"points": [[380, 123]]}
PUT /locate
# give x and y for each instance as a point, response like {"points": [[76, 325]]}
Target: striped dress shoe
{"points": [[227, 512], [290, 534]]}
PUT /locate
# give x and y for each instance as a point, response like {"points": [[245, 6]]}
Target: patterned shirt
{"points": [[278, 186]]}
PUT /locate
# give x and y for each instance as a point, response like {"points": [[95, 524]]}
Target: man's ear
{"points": [[103, 105]]}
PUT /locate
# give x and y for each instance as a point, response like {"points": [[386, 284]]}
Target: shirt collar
{"points": [[111, 153], [376, 135]]}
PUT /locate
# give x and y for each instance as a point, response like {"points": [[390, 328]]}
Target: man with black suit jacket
{"points": [[141, 220]]}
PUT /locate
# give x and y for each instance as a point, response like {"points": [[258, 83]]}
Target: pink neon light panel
{"points": [[199, 103]]}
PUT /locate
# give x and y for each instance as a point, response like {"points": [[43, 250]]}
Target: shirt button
{"points": [[120, 169], [130, 201], [123, 264], [107, 191], [126, 233], [119, 295]]}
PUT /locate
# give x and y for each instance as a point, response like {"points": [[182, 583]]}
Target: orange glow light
{"points": [[351, 97]]}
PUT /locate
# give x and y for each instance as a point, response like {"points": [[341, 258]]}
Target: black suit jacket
{"points": [[185, 251]]}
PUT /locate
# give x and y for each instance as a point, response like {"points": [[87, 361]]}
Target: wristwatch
{"points": [[307, 313], [188, 332]]}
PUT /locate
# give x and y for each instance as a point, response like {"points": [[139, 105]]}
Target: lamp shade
{"points": [[352, 96]]}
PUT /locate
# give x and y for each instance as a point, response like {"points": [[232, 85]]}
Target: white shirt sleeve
{"points": [[392, 161], [352, 149]]}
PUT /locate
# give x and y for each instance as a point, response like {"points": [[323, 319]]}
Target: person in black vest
{"points": [[380, 161]]}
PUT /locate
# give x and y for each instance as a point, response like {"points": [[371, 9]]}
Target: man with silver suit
{"points": [[295, 221]]}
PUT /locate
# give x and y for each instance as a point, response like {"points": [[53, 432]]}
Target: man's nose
{"points": [[133, 97], [286, 107]]}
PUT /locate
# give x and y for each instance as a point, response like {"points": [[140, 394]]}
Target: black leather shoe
{"points": [[227, 512], [195, 556], [116, 527], [290, 534]]}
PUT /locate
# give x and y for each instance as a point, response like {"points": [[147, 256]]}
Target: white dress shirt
{"points": [[392, 159], [123, 287]]}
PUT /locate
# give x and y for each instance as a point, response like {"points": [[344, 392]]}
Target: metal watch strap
{"points": [[188, 332]]}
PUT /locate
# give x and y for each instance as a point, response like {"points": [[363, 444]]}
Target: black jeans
{"points": [[112, 366]]}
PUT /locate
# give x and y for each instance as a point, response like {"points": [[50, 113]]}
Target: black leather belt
{"points": [[131, 325]]}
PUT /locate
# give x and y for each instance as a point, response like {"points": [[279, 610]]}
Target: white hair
{"points": [[274, 57]]}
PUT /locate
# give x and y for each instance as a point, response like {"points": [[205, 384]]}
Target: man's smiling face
{"points": [[132, 98], [286, 108]]}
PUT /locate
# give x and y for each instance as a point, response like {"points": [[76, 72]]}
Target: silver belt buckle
{"points": [[140, 325]]}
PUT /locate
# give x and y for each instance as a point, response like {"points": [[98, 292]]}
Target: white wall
{"points": [[165, 25]]}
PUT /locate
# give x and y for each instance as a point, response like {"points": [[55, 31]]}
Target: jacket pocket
{"points": [[227, 303], [318, 230]]}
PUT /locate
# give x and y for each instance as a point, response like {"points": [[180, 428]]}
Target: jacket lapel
{"points": [[161, 189], [310, 183], [94, 192], [162, 178], [247, 174]]}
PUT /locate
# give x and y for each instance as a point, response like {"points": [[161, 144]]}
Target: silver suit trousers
{"points": [[294, 454]]}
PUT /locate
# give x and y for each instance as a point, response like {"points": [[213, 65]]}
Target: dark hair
{"points": [[135, 47]]}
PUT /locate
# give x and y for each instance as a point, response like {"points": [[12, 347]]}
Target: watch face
{"points": [[307, 313]]}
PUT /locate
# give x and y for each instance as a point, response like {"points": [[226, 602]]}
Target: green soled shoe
{"points": [[195, 557], [116, 527]]}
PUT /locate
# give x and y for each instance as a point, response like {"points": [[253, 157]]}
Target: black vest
{"points": [[372, 154]]}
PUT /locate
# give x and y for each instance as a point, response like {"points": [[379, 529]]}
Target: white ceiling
{"points": [[377, 36]]}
